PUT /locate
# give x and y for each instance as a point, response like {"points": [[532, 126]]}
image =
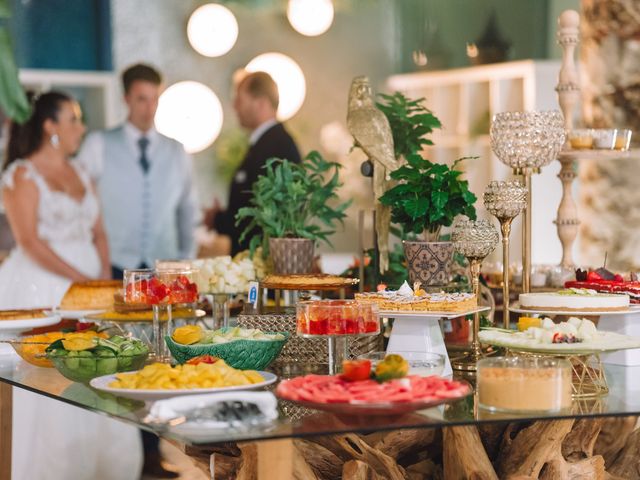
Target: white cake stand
{"points": [[623, 322], [421, 332]]}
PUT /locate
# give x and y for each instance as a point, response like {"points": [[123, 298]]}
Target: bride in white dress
{"points": [[55, 218]]}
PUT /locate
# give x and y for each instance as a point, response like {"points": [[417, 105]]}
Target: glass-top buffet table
{"points": [[623, 399]]}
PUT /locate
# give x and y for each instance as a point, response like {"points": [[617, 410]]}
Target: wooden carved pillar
{"points": [[568, 96]]}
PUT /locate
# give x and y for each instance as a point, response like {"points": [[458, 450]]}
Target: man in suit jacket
{"points": [[145, 181], [256, 104]]}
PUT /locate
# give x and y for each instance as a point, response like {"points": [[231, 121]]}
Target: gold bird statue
{"points": [[372, 133]]}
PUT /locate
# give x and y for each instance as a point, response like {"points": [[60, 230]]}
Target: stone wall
{"points": [[609, 193]]}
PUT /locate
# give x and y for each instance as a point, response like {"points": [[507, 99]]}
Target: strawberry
{"points": [[593, 277], [355, 370]]}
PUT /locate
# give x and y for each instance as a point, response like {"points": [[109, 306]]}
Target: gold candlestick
{"points": [[505, 201], [527, 141], [475, 239]]}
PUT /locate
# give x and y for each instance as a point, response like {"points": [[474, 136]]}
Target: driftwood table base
{"points": [[585, 449]]}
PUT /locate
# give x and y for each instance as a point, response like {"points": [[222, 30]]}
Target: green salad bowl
{"points": [[243, 354], [80, 367]]}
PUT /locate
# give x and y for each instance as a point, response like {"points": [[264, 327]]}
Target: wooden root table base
{"points": [[601, 448]]}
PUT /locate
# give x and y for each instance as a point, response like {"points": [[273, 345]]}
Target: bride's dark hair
{"points": [[26, 138]]}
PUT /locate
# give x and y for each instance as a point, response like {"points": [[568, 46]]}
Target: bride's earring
{"points": [[55, 140]]}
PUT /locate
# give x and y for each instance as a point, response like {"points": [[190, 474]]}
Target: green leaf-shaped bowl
{"points": [[243, 354]]}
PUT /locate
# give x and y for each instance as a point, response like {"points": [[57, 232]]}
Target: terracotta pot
{"points": [[291, 255], [429, 262]]}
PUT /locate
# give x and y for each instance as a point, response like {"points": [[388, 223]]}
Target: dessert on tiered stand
{"points": [[574, 299], [336, 320], [406, 299], [575, 335], [578, 340], [604, 281]]}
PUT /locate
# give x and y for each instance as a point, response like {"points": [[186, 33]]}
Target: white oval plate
{"points": [[76, 314], [29, 323], [102, 383], [516, 308]]}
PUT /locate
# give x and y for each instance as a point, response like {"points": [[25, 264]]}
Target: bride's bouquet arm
{"points": [[21, 207], [102, 246]]}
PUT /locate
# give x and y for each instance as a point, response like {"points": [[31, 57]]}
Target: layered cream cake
{"points": [[408, 299], [574, 299]]}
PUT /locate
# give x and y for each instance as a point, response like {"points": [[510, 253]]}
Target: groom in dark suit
{"points": [[256, 104]]}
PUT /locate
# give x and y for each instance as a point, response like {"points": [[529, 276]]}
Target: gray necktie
{"points": [[143, 143]]}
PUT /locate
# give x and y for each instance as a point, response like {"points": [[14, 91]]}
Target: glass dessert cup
{"points": [[581, 139], [422, 364], [605, 138], [336, 320], [161, 289], [524, 384], [623, 140]]}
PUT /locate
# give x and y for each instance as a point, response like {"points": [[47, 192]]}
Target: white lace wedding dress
{"points": [[51, 439]]}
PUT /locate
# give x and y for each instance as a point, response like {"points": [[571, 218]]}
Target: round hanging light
{"points": [[289, 78], [212, 30], [310, 17], [191, 113]]}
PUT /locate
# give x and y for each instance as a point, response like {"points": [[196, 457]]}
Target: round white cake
{"points": [[581, 300]]}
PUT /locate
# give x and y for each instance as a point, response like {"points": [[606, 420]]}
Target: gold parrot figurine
{"points": [[372, 133]]}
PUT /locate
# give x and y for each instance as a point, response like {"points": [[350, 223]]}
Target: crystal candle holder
{"points": [[475, 239], [526, 142], [505, 201]]}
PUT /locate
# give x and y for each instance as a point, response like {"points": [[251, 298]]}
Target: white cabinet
{"points": [[97, 92], [465, 100]]}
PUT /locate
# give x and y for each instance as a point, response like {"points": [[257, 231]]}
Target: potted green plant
{"points": [[291, 210], [428, 195]]}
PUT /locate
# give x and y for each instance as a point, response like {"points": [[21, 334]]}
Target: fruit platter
{"points": [[202, 375], [574, 337], [243, 348], [360, 391]]}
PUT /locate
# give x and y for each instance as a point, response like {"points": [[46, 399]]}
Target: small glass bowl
{"points": [[422, 364], [32, 348], [581, 139], [623, 139], [605, 138], [83, 369], [524, 384]]}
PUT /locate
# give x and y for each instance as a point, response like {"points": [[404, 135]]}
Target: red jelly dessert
{"points": [[182, 290], [336, 317]]}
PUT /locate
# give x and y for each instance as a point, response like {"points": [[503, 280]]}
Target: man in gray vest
{"points": [[148, 201], [144, 180]]}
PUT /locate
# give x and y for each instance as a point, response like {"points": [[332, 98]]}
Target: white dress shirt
{"points": [[148, 216]]}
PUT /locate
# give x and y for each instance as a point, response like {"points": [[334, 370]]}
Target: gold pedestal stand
{"points": [[505, 201], [527, 141], [588, 376], [475, 240]]}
